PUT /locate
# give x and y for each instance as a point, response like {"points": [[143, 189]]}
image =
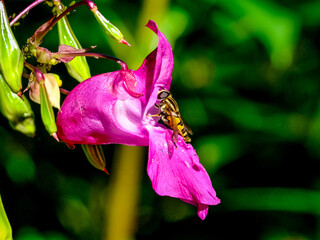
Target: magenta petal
{"points": [[177, 172], [101, 111]]}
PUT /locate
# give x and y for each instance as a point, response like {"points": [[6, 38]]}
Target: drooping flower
{"points": [[116, 107]]}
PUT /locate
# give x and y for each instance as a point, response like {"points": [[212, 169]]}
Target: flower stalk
{"points": [[123, 200]]}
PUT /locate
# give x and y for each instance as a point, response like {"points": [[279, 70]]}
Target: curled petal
{"points": [[65, 53], [129, 82], [177, 172]]}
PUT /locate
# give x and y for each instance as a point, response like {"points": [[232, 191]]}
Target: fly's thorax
{"points": [[172, 104]]}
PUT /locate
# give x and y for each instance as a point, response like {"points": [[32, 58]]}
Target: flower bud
{"points": [[43, 55], [78, 68], [16, 110], [5, 228], [11, 58], [52, 83], [108, 27], [95, 156]]}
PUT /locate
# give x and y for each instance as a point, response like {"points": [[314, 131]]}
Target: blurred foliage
{"points": [[247, 81], [5, 228]]}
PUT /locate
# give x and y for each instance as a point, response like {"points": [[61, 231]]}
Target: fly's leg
{"points": [[156, 115], [174, 138]]}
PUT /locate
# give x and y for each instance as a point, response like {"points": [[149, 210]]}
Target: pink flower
{"points": [[114, 108]]}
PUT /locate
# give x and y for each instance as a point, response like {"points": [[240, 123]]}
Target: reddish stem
{"points": [[26, 10], [89, 3], [95, 55], [64, 91], [39, 74]]}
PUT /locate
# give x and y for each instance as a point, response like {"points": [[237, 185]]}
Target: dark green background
{"points": [[247, 81]]}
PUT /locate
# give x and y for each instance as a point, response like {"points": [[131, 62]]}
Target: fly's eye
{"points": [[163, 94]]}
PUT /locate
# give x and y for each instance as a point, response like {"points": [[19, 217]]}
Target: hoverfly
{"points": [[170, 115]]}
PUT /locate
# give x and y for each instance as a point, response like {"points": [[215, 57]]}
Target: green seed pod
{"points": [[95, 156], [5, 228], [78, 68], [108, 27], [11, 58], [47, 114], [16, 110]]}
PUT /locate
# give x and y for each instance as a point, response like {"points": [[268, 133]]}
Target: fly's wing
{"points": [[175, 120], [186, 125]]}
